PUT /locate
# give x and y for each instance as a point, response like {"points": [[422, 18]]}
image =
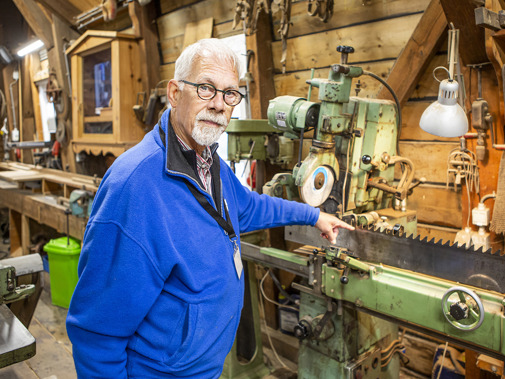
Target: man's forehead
{"points": [[215, 71]]}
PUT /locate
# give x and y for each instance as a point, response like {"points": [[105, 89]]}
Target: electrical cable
{"points": [[443, 358], [273, 301], [3, 105], [262, 307], [281, 289], [383, 82]]}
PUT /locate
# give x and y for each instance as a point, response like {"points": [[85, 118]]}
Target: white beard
{"points": [[207, 135]]}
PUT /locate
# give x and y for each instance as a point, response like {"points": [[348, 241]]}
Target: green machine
{"points": [[16, 342], [355, 293]]}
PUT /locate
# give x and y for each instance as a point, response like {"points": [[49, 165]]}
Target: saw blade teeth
{"points": [[489, 251]]}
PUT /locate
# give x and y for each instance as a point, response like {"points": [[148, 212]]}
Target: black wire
{"points": [[279, 286], [397, 106]]}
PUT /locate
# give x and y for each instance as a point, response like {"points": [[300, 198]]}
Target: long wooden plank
{"points": [[174, 23], [171, 47], [374, 41], [37, 20], [437, 232], [411, 114], [144, 28], [261, 88], [167, 6], [418, 51], [346, 13], [436, 205]]}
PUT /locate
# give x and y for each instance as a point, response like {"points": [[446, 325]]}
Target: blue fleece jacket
{"points": [[158, 295]]}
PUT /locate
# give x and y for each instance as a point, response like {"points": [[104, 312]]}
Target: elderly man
{"points": [[161, 287]]}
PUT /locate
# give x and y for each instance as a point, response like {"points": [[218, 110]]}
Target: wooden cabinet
{"points": [[106, 77]]}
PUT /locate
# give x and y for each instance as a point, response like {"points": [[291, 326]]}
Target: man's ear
{"points": [[173, 92]]}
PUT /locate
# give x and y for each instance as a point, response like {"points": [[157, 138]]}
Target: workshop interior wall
{"points": [[378, 31]]}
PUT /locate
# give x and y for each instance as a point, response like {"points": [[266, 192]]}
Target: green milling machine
{"points": [[355, 293]]}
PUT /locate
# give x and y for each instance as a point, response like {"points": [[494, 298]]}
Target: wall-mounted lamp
{"points": [[34, 46], [5, 55], [445, 117]]}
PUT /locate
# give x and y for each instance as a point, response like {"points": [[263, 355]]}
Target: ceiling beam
{"points": [[64, 9], [421, 47], [461, 13], [37, 20]]}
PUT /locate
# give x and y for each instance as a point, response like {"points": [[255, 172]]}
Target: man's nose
{"points": [[217, 103]]}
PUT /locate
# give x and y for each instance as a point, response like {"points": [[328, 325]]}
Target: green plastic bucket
{"points": [[63, 259]]}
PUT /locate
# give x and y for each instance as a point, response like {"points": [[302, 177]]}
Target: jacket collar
{"points": [[180, 162]]}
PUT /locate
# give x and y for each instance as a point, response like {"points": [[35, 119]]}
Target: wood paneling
{"points": [[347, 13], [174, 23], [167, 71], [167, 6], [374, 41], [436, 205], [427, 86], [411, 114], [429, 158], [171, 47]]}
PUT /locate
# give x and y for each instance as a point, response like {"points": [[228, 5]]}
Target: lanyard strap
{"points": [[226, 225]]}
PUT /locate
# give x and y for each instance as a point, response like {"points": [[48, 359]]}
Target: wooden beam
{"points": [[37, 20], [26, 120], [418, 52], [63, 9], [471, 37], [261, 67], [144, 26]]}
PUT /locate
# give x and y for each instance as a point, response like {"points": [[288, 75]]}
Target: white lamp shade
{"points": [[445, 117]]}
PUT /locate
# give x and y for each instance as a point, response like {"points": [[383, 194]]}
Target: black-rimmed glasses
{"points": [[206, 91]]}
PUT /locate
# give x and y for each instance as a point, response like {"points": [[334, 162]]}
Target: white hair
{"points": [[205, 48]]}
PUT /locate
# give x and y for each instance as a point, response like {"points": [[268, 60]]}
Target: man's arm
{"points": [[117, 286]]}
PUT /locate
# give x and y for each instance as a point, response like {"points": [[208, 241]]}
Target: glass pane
{"points": [[97, 86], [98, 127]]}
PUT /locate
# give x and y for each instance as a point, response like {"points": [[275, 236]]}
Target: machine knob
{"points": [[302, 330], [366, 159], [344, 279], [345, 51], [459, 310]]}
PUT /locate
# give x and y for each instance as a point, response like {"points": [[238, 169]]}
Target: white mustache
{"points": [[212, 117]]}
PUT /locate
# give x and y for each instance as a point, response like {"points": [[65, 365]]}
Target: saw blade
{"points": [[443, 260]]}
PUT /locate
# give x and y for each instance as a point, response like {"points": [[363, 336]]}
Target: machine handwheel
{"points": [[463, 308]]}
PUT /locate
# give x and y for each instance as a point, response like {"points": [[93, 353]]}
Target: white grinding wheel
{"points": [[317, 187]]}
